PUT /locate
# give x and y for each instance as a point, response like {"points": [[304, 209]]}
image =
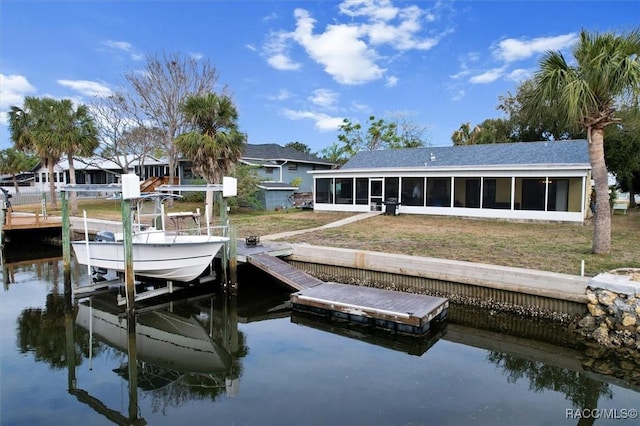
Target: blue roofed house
{"points": [[548, 181], [284, 173]]}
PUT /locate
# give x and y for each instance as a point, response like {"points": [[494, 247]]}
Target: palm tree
{"points": [[465, 135], [214, 143], [50, 128], [606, 70], [76, 136], [13, 162], [28, 127]]}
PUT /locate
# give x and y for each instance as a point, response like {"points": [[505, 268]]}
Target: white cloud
{"points": [[511, 49], [282, 95], [119, 45], [349, 51], [488, 76], [323, 122], [13, 89], [392, 81], [86, 87], [124, 46], [196, 55], [344, 56], [277, 52], [324, 98], [519, 75]]}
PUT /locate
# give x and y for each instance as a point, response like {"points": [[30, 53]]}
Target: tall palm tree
{"points": [[28, 127], [75, 135], [606, 70], [214, 144], [50, 128]]}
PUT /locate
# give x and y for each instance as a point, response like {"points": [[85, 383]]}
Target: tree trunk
{"points": [[72, 180], [15, 184], [602, 222], [52, 185]]}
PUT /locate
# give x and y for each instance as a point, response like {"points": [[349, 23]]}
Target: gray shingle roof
{"points": [[500, 154], [272, 151]]}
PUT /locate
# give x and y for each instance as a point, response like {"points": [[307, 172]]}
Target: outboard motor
{"points": [[105, 237]]}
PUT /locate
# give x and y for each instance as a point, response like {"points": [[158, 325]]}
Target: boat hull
{"points": [[180, 258]]}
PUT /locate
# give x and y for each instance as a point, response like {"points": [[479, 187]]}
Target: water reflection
{"points": [[176, 351]]}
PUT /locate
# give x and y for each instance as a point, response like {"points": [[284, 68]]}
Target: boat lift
{"points": [[130, 190]]}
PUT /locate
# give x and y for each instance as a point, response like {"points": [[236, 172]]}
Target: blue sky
{"points": [[296, 69]]}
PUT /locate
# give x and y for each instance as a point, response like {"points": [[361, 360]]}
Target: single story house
{"points": [[283, 171], [98, 170], [281, 164], [548, 181]]}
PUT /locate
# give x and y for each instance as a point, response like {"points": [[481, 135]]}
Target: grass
{"points": [[554, 247]]}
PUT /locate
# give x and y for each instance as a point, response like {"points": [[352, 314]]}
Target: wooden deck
{"points": [[284, 272], [24, 221], [394, 310]]}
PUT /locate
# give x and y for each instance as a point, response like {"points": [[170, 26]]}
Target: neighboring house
{"points": [[98, 170], [277, 167], [275, 163], [522, 181]]}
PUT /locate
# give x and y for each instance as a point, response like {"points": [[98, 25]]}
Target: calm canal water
{"points": [[208, 357]]}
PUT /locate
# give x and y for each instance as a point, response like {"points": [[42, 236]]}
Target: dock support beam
{"points": [[233, 256], [66, 235], [128, 254]]}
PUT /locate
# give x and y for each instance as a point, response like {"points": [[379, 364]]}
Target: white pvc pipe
{"points": [[86, 243], [208, 224], [162, 217], [582, 268]]}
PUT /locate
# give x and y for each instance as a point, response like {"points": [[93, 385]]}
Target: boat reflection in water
{"points": [[182, 347], [163, 338]]}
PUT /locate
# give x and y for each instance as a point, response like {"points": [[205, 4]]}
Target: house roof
{"points": [[272, 151], [101, 163], [574, 152], [276, 186]]}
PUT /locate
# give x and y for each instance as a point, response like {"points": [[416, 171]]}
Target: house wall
{"points": [[537, 194], [276, 199], [287, 172]]}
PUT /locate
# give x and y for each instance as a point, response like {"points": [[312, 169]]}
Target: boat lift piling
{"points": [[130, 189]]}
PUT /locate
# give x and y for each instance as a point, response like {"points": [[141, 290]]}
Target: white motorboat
{"points": [[156, 254], [167, 255]]}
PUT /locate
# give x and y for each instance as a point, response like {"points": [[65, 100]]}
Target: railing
{"points": [[20, 199]]}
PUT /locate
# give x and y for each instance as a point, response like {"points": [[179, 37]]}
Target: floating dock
{"points": [[393, 310]]}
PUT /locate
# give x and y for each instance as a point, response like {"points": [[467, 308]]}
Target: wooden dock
{"points": [[391, 310], [284, 272], [24, 221], [394, 310]]}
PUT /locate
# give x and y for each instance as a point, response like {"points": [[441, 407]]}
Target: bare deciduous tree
{"points": [[161, 89]]}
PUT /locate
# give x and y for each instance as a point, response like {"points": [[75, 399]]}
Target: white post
{"points": [[206, 208], [86, 243], [582, 268], [164, 228]]}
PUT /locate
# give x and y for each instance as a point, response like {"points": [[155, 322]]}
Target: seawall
{"points": [[534, 293]]}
